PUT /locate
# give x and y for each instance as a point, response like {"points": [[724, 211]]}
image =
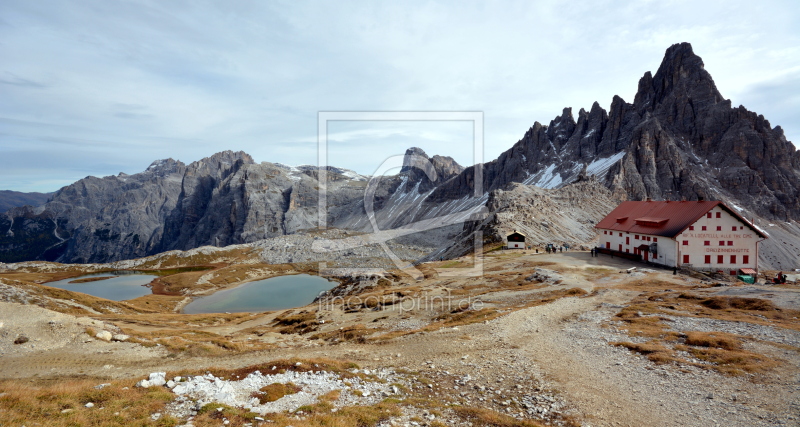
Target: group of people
{"points": [[551, 248], [780, 278]]}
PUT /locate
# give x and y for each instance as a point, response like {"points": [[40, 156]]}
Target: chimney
{"points": [[648, 200], [700, 198]]}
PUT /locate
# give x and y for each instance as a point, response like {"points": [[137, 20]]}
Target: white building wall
{"points": [[726, 236], [740, 242], [627, 242], [515, 245]]}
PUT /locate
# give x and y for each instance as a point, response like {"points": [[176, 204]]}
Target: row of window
{"points": [[708, 243], [720, 259], [636, 236], [719, 228]]}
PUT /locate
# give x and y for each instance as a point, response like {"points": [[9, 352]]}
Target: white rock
{"points": [[104, 335], [143, 384], [365, 393], [170, 383], [89, 405], [158, 378], [120, 337]]}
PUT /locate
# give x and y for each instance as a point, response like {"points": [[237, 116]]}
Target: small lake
{"points": [[277, 293], [121, 285]]}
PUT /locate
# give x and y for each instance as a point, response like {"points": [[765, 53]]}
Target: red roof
{"points": [[664, 218], [749, 271]]}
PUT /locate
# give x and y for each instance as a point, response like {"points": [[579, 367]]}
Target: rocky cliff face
{"points": [[679, 139]]}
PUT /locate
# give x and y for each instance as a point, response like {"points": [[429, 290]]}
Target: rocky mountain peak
{"points": [[681, 77], [227, 157], [411, 157], [440, 168], [161, 167]]}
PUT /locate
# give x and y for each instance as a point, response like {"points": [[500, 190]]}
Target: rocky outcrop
{"points": [[566, 215]]}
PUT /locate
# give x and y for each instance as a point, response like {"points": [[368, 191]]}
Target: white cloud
{"points": [[126, 83]]}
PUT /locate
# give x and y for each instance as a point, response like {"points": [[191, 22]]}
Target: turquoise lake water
{"points": [[126, 285], [276, 293]]}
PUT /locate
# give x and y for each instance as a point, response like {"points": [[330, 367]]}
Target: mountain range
{"points": [[679, 139]]}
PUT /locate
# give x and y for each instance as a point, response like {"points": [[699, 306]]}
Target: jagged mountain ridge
{"points": [[679, 139], [221, 200]]}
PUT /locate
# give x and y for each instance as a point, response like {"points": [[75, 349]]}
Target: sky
{"points": [[99, 87]]}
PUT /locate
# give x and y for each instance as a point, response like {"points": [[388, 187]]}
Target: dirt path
{"points": [[555, 357]]}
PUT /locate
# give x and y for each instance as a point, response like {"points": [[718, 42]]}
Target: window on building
{"points": [[620, 247], [627, 251], [745, 259], [708, 259], [720, 259], [627, 240], [730, 242], [655, 239], [691, 227], [685, 243], [734, 228], [733, 259], [708, 215], [648, 238], [605, 232], [722, 243], [719, 228], [704, 228], [719, 214], [707, 243], [636, 237], [620, 234], [733, 272], [686, 259]]}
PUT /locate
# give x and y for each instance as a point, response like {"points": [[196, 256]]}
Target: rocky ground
{"points": [[538, 342]]}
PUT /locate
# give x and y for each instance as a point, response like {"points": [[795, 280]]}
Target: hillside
{"points": [[13, 199]]}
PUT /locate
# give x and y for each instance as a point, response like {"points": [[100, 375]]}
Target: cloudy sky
{"points": [[101, 87]]}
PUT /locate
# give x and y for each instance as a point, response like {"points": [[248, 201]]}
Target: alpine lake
{"points": [[276, 293]]}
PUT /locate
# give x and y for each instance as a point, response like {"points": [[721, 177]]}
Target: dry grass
{"points": [[300, 323], [723, 352], [655, 352], [749, 304], [275, 391], [63, 404], [356, 333], [720, 340], [341, 367], [482, 417], [465, 315], [190, 343]]}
